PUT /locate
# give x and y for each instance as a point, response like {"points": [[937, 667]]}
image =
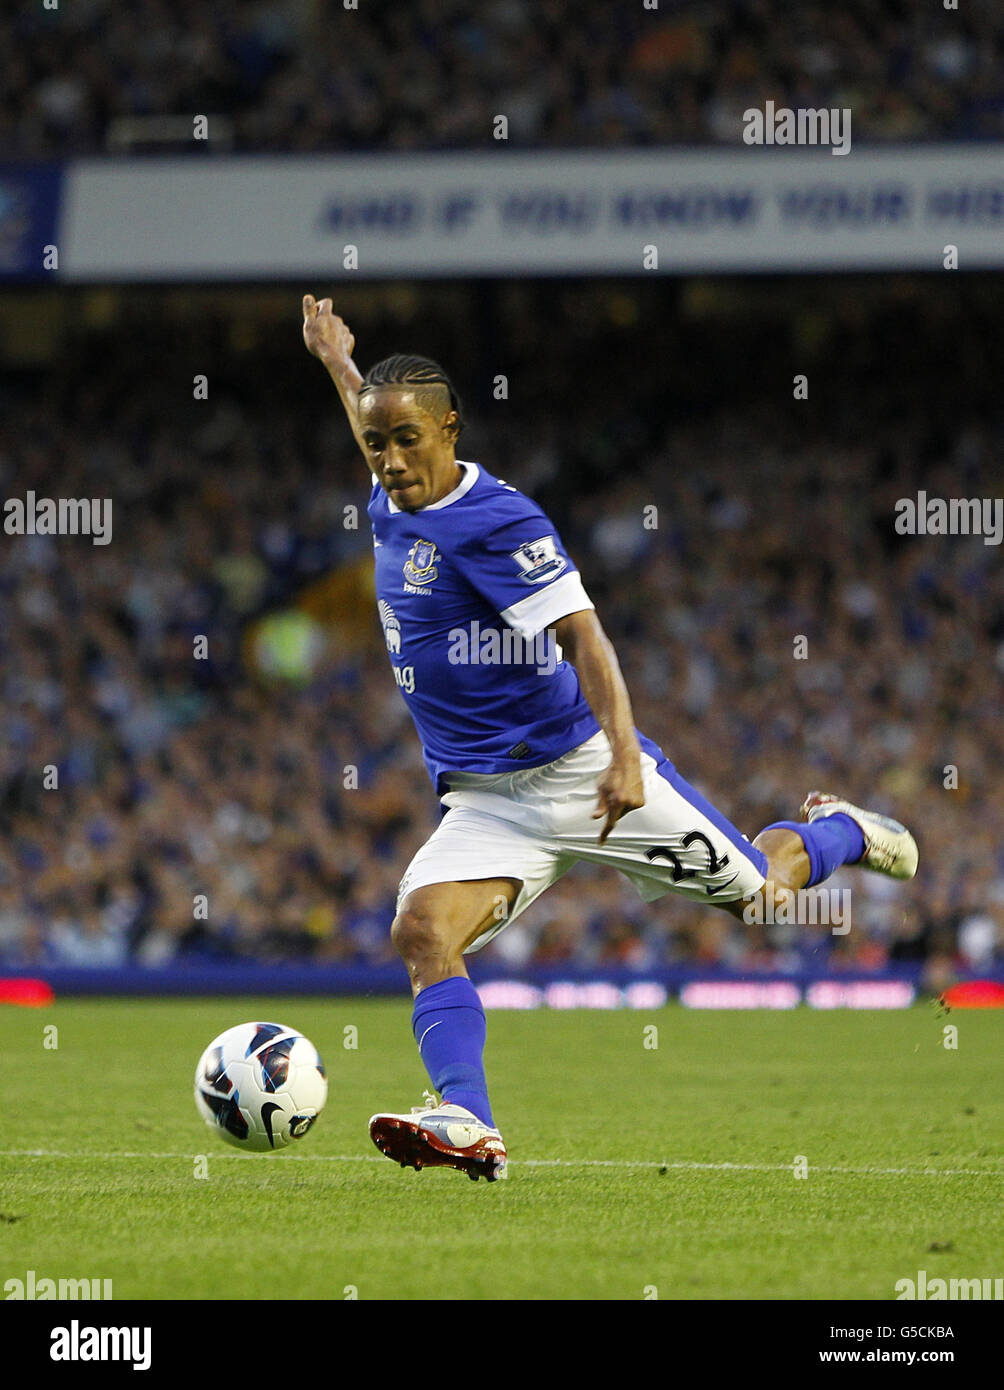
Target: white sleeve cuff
{"points": [[538, 611]]}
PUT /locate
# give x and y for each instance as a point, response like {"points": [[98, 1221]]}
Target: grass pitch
{"points": [[636, 1171]]}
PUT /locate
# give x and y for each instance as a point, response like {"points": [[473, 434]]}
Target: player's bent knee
{"points": [[754, 909], [751, 907], [413, 932]]}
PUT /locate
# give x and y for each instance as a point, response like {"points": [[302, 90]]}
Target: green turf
{"points": [[112, 1192]]}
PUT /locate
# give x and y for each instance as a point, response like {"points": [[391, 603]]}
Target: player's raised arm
{"points": [[330, 340]]}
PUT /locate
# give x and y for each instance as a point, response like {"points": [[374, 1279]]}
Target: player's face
{"points": [[409, 449]]}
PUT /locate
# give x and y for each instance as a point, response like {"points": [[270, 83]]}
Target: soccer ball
{"points": [[260, 1086]]}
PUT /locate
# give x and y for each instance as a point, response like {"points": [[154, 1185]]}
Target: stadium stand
{"points": [[181, 776], [297, 76]]}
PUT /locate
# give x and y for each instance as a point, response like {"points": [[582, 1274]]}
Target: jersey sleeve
{"points": [[521, 567]]}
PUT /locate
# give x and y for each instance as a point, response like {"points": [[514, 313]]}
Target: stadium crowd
{"points": [[289, 807], [313, 75]]}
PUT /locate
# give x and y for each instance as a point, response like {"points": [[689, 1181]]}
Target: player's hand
{"points": [[326, 335], [620, 790]]}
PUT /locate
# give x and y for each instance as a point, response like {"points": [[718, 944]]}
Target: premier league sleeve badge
{"points": [[539, 560]]}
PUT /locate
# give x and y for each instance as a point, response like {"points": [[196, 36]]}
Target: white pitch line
{"points": [[684, 1166]]}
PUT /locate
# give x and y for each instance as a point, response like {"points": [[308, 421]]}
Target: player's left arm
{"points": [[591, 652], [519, 565]]}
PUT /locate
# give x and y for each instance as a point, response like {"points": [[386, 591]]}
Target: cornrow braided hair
{"points": [[404, 369]]}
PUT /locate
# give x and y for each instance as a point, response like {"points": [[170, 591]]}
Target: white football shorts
{"points": [[534, 824]]}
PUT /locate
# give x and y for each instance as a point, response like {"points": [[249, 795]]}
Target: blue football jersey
{"points": [[466, 590]]}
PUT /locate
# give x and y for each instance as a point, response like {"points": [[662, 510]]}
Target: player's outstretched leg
{"points": [[431, 930], [889, 848], [834, 832]]}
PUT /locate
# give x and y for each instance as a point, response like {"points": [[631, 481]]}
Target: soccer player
{"points": [[527, 745]]}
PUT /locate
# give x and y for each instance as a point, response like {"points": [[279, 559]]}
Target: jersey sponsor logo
{"points": [[538, 561], [420, 566], [391, 627], [405, 678]]}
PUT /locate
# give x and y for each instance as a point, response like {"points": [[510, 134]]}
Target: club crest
{"points": [[420, 568]]}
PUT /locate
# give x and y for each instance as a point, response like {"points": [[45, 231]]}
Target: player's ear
{"points": [[451, 425]]}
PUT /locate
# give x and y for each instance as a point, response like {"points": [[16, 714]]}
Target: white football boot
{"points": [[441, 1135], [889, 847]]}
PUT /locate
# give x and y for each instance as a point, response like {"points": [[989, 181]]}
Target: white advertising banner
{"points": [[503, 213]]}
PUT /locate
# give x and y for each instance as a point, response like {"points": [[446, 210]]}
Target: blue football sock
{"points": [[449, 1027], [829, 842]]}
